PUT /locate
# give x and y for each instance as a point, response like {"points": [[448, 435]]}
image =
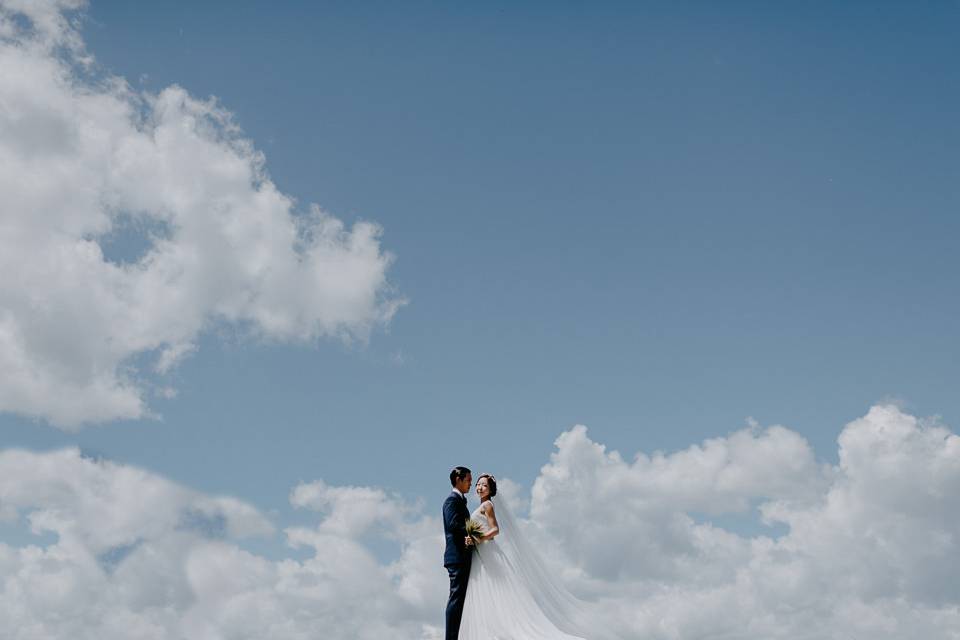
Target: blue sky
{"points": [[653, 219]]}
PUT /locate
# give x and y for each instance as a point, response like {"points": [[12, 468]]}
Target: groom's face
{"points": [[464, 485]]}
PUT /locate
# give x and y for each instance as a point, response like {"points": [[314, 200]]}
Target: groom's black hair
{"points": [[458, 474]]}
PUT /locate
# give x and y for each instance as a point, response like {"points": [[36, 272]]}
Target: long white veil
{"points": [[566, 612]]}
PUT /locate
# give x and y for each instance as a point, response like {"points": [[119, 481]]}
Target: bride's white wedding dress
{"points": [[510, 594]]}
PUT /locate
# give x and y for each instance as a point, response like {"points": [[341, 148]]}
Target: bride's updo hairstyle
{"points": [[491, 483]]}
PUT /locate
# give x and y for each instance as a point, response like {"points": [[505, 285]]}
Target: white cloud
{"points": [[84, 160], [869, 549], [652, 531], [137, 556]]}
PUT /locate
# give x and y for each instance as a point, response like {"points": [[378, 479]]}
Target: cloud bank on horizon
{"points": [[86, 336], [870, 547]]}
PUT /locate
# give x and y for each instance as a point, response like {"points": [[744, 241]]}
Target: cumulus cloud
{"points": [[132, 222], [653, 532], [869, 547], [137, 556]]}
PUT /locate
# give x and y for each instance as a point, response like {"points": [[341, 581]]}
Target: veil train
{"points": [[512, 595]]}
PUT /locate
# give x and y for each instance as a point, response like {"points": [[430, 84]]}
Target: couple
{"points": [[499, 588]]}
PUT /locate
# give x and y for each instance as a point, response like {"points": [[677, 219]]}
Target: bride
{"points": [[510, 595]]}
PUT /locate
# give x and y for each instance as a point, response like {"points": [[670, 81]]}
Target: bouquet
{"points": [[475, 531]]}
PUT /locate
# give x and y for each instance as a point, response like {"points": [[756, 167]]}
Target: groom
{"points": [[457, 556]]}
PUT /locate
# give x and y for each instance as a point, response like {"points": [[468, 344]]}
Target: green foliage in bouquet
{"points": [[475, 531]]}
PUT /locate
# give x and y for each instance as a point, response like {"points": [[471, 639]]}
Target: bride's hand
{"points": [[468, 541]]}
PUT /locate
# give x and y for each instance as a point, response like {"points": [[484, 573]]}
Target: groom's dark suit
{"points": [[456, 558]]}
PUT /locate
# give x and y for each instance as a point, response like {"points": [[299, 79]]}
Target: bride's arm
{"points": [[494, 530]]}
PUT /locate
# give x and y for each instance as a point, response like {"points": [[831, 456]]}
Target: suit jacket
{"points": [[455, 516]]}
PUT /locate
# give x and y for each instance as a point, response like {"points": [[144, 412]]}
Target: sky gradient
{"points": [[657, 220]]}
